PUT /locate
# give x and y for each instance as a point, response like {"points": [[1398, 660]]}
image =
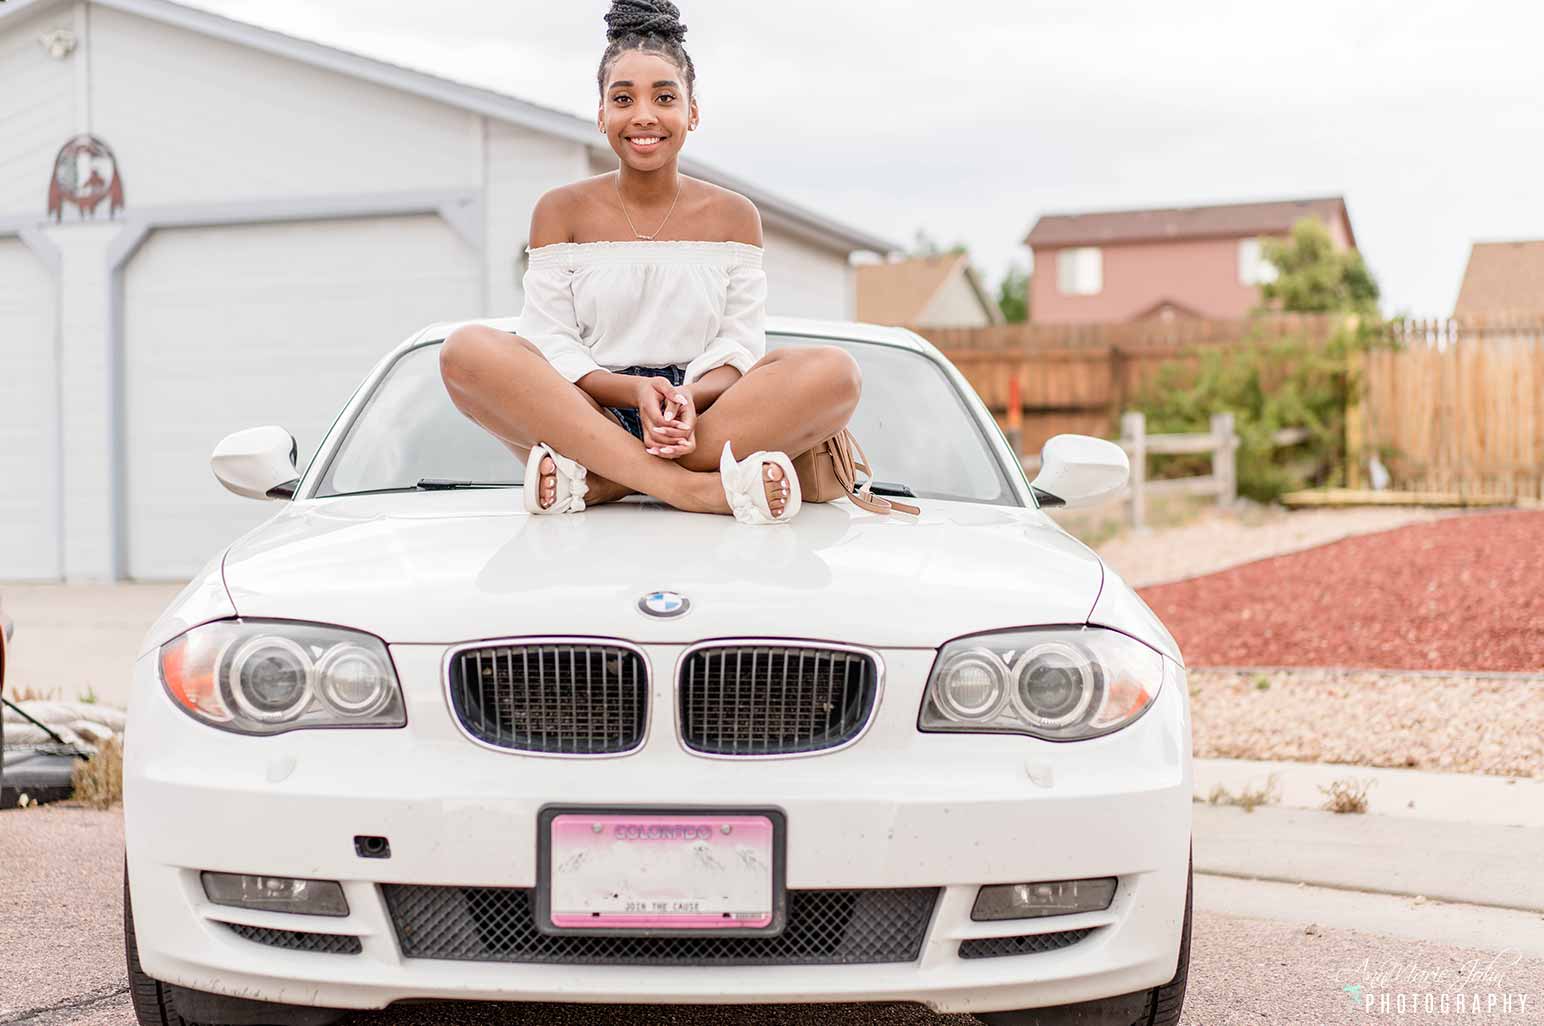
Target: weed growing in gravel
{"points": [[98, 781], [87, 697], [1248, 797], [1262, 682], [1347, 795]]}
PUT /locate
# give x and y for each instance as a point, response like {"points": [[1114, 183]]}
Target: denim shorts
{"points": [[629, 415]]}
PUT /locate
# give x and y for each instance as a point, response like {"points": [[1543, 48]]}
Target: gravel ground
{"points": [[61, 938], [1448, 723], [1216, 540], [1462, 593]]}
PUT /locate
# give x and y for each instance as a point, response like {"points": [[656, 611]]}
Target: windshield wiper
{"points": [[436, 484], [891, 488]]}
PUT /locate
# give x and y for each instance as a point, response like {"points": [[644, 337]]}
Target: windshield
{"points": [[912, 423]]}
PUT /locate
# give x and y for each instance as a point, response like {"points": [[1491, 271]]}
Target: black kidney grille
{"points": [[297, 940], [774, 699], [496, 924], [1030, 944], [564, 698]]}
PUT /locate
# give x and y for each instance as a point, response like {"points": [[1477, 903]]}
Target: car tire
{"points": [[1160, 1006], [163, 1004]]}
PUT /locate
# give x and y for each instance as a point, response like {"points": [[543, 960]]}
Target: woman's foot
{"points": [[706, 492], [600, 490]]}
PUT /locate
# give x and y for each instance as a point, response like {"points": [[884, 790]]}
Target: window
{"points": [[1080, 272], [409, 430], [1253, 268]]}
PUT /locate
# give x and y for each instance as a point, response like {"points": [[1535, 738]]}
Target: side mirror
{"points": [[1077, 470], [258, 463]]}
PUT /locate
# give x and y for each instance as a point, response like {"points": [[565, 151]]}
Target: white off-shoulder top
{"points": [[608, 305]]}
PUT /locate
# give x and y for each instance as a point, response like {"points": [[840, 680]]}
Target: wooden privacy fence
{"points": [[1077, 378], [1458, 409]]}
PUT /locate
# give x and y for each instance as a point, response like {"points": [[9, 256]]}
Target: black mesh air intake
{"points": [[297, 940], [494, 924], [1030, 944]]}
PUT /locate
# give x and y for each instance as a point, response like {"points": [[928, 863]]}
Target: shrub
{"points": [[1267, 385], [98, 781]]}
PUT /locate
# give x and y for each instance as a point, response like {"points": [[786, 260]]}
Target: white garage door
{"points": [[29, 418], [229, 328]]}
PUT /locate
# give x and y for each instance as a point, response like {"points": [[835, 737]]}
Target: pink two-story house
{"points": [[1178, 262]]}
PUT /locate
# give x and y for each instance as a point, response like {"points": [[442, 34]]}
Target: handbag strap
{"points": [[847, 456]]}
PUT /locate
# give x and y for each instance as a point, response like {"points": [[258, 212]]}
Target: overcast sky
{"points": [[971, 118]]}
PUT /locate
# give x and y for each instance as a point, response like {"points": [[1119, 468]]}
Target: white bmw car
{"points": [[404, 741]]}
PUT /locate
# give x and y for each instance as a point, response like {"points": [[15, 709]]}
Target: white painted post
{"points": [[1225, 458], [1133, 436]]}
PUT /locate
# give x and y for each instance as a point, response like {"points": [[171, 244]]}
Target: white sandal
{"points": [[746, 488], [569, 488]]}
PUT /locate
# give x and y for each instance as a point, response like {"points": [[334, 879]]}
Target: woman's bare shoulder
{"points": [[560, 213], [734, 217]]}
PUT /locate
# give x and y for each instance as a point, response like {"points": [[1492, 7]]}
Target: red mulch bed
{"points": [[1465, 593]]}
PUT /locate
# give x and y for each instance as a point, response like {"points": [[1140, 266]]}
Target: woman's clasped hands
{"points": [[669, 418]]}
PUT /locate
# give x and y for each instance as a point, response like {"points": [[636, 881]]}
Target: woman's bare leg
{"points": [[599, 489], [503, 383], [788, 401]]}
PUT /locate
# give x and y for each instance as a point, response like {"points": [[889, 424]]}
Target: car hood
{"points": [[454, 566]]}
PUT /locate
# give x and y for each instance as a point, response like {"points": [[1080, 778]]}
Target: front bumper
{"points": [[898, 809]]}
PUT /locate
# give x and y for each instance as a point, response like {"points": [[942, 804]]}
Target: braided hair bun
{"points": [[644, 18], [653, 26]]}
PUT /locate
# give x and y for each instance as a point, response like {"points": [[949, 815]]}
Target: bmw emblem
{"points": [[664, 603]]}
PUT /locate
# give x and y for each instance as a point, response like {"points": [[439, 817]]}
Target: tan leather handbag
{"points": [[829, 472]]}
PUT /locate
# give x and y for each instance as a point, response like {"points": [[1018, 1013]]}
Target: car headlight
{"points": [[1058, 683], [270, 676]]}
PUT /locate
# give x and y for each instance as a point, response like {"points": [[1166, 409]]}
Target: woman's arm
{"points": [[711, 385], [611, 389]]}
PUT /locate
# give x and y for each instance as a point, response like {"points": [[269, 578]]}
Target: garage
{"points": [[29, 417], [235, 223], [231, 327]]}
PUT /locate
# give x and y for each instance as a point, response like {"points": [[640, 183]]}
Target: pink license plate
{"points": [[661, 871]]}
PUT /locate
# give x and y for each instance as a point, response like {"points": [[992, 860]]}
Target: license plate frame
{"points": [[543, 895]]}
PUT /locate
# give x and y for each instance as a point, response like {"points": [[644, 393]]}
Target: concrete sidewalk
{"points": [[74, 640], [1443, 837]]}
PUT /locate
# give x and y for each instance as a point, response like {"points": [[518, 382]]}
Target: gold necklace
{"points": [[647, 238]]}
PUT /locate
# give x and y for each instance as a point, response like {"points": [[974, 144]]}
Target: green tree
{"points": [[1312, 276], [1013, 295]]}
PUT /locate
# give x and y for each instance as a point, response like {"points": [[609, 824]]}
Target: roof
{"points": [[500, 106], [1503, 278], [900, 291], [1226, 220]]}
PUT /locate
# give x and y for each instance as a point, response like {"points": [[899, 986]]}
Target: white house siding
{"points": [[37, 111], [229, 328], [521, 165], [29, 418], [805, 280], [196, 120], [955, 306]]}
